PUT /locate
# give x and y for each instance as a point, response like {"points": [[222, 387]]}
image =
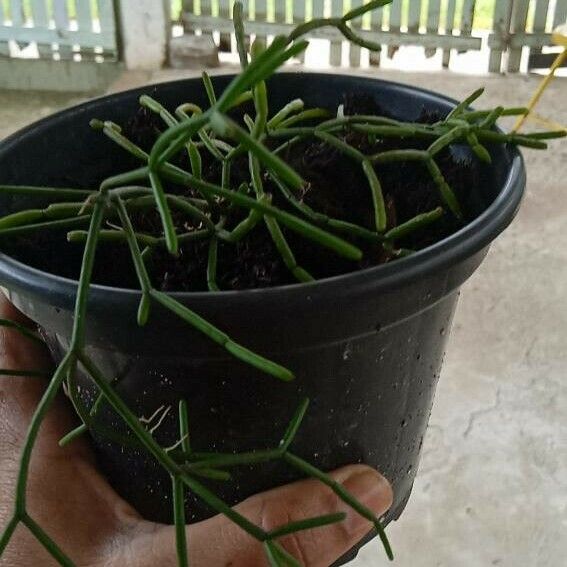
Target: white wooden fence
{"points": [[412, 22], [516, 28], [432, 24], [58, 29]]}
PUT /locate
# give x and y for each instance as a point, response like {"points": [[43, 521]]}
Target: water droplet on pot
{"points": [[410, 469], [378, 327], [404, 423], [418, 356], [442, 331], [347, 352]]}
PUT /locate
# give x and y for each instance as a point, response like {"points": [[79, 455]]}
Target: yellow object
{"points": [[559, 37]]}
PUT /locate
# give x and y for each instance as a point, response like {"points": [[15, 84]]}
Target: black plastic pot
{"points": [[367, 347]]}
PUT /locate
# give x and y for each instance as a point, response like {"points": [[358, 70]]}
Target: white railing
{"points": [[58, 29], [432, 24], [520, 24], [409, 22]]}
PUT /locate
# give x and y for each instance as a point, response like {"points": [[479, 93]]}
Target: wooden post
{"points": [[145, 30]]}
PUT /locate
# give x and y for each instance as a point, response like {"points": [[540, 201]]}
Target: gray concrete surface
{"points": [[492, 486]]}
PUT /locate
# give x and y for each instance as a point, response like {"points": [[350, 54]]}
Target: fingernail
{"points": [[370, 489]]}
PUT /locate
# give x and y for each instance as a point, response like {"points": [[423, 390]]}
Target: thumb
{"points": [[218, 541]]}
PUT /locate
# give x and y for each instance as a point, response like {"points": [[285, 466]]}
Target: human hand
{"points": [[72, 501]]}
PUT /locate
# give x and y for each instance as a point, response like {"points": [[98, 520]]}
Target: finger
{"points": [[8, 311], [218, 541]]}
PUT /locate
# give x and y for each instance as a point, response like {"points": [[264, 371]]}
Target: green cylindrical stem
{"points": [[238, 19], [226, 127], [393, 156], [309, 524], [50, 192], [414, 224], [447, 194], [178, 491], [465, 104], [195, 159], [236, 460], [222, 338], [343, 147], [446, 140], [114, 236], [480, 151], [50, 546], [165, 213], [292, 107], [212, 265], [22, 330], [309, 114], [380, 217], [209, 88], [153, 105]]}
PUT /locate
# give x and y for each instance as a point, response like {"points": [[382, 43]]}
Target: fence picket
{"points": [[501, 25], [395, 25], [4, 45], [225, 43], [540, 21], [107, 21], [414, 16], [261, 15], [41, 21], [354, 50], [376, 20], [449, 27], [519, 24], [336, 46], [84, 23], [299, 16], [560, 16], [207, 10], [61, 17], [433, 19]]}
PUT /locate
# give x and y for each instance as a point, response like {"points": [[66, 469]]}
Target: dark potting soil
{"points": [[336, 187]]}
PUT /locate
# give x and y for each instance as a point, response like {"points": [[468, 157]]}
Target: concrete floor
{"points": [[492, 486]]}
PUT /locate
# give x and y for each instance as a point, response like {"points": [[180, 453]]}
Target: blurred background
{"points": [[492, 486]]}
